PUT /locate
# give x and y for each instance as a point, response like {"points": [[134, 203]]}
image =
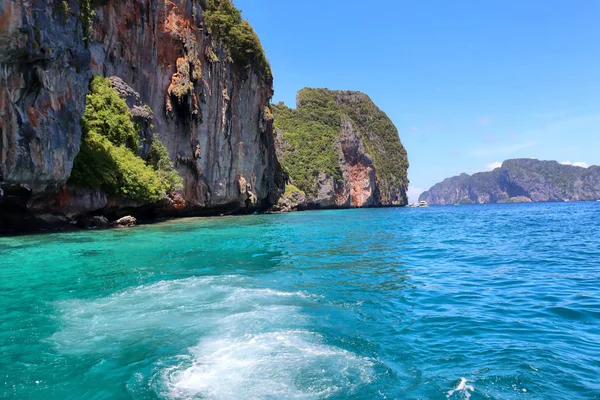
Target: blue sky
{"points": [[467, 83]]}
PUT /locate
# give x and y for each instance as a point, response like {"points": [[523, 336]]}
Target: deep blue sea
{"points": [[479, 302]]}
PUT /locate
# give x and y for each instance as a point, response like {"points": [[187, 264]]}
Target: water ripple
{"points": [[493, 302]]}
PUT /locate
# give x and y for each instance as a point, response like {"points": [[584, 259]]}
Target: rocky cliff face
{"points": [[339, 151], [208, 111], [519, 180], [44, 77]]}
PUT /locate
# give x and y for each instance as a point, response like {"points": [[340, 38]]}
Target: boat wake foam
{"points": [[246, 342], [461, 389], [278, 364]]}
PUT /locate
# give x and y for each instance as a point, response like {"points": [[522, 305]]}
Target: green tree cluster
{"points": [[311, 130], [108, 158], [225, 21], [309, 141], [159, 158]]}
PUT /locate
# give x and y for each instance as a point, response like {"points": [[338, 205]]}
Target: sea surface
{"points": [[479, 302]]}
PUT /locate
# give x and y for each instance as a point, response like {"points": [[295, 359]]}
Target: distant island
{"points": [[517, 181]]}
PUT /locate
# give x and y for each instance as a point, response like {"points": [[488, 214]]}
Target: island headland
{"points": [[517, 181], [158, 108]]}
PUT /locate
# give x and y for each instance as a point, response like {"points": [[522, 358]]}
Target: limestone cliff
{"points": [[209, 111], [339, 150], [519, 180], [44, 75]]}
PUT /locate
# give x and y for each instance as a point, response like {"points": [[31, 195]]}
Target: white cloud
{"points": [[413, 193], [575, 164], [494, 165]]}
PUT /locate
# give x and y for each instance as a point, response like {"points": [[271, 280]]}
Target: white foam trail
{"points": [[255, 355], [462, 388], [249, 342], [108, 323], [103, 324], [291, 364]]}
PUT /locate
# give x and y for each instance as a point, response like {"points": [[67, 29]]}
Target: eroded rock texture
{"points": [[368, 167], [44, 75], [209, 113]]}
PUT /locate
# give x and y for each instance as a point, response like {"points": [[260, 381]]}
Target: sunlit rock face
{"points": [[365, 163], [209, 112]]}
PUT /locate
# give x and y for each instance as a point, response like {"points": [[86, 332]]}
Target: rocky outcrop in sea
{"points": [[339, 150], [519, 180]]}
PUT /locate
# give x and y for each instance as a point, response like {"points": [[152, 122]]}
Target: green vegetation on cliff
{"points": [[290, 190], [381, 139], [108, 157], [311, 130], [160, 161], [225, 21], [519, 180]]}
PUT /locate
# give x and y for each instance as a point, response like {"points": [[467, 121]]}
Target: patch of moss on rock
{"points": [[108, 158], [290, 190]]}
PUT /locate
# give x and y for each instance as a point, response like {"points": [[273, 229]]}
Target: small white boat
{"points": [[423, 203]]}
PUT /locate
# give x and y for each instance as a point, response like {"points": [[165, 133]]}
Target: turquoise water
{"points": [[480, 302]]}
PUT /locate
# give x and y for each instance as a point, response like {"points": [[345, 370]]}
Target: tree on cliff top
{"points": [[225, 21], [311, 130]]}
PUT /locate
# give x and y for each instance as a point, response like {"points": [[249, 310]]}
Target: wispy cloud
{"points": [[414, 129], [502, 150], [494, 165], [575, 164]]}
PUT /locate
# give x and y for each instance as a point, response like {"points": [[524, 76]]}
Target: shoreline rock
{"points": [[125, 222]]}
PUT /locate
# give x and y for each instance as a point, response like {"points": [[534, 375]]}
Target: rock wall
{"points": [[209, 113], [44, 78], [358, 186], [360, 183], [519, 180]]}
